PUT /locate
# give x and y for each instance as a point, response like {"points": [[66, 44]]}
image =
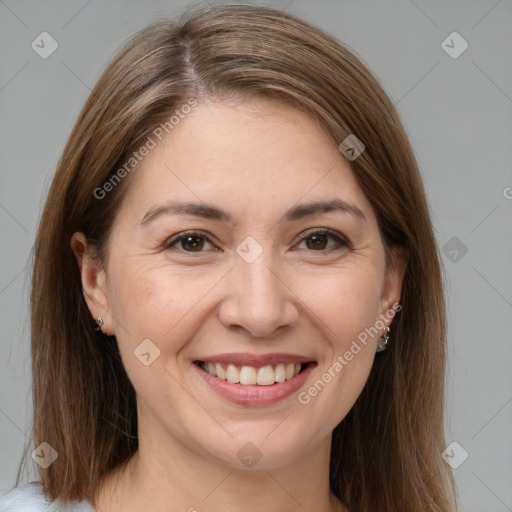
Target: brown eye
{"points": [[195, 242], [187, 242], [317, 241]]}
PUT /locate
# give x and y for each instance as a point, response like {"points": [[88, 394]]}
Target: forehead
{"points": [[244, 156]]}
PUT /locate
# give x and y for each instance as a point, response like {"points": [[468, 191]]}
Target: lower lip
{"points": [[256, 395]]}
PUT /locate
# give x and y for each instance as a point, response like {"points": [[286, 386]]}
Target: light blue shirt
{"points": [[30, 498]]}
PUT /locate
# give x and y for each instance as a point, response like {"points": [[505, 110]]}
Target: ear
{"points": [[94, 282], [392, 288]]}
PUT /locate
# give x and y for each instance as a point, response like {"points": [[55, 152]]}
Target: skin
{"points": [[255, 159]]}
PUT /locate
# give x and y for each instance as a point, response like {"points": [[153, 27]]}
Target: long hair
{"points": [[386, 453]]}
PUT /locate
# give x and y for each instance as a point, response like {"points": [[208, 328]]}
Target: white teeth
{"points": [[220, 371], [266, 376], [211, 369], [249, 375], [233, 374], [280, 373]]}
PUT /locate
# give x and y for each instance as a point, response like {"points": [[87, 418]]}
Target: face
{"points": [[249, 276]]}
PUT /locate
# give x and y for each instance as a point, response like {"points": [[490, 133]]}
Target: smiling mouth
{"points": [[251, 375]]}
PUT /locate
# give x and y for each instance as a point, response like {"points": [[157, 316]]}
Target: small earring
{"points": [[100, 323], [382, 343]]}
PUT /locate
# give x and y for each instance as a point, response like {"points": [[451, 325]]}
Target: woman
{"points": [[237, 298]]}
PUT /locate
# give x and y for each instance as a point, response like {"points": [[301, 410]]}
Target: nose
{"points": [[258, 299]]}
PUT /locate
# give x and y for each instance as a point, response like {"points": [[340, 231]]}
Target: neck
{"points": [[175, 477]]}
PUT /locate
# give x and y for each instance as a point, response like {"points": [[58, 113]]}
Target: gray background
{"points": [[457, 112]]}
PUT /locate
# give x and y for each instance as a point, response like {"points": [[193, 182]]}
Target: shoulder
{"points": [[30, 498], [25, 498]]}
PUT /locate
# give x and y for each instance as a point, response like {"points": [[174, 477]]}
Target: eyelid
{"points": [[168, 243], [342, 240]]}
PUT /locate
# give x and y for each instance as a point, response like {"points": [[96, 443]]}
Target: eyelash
{"points": [[323, 231]]}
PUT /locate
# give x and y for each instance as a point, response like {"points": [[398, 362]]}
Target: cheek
{"points": [[346, 300], [150, 306], [158, 302], [149, 298], [347, 303]]}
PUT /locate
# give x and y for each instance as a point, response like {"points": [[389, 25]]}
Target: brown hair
{"points": [[386, 453]]}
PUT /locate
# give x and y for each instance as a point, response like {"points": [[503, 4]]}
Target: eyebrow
{"points": [[295, 213]]}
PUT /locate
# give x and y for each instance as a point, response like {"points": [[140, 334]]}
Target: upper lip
{"points": [[256, 360]]}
